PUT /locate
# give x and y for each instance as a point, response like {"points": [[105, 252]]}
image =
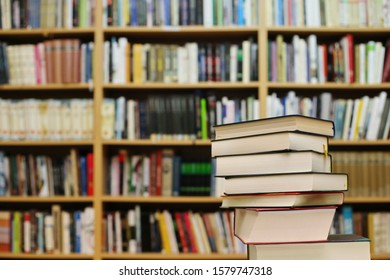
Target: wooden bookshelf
{"points": [[24, 256], [166, 256], [100, 90]]}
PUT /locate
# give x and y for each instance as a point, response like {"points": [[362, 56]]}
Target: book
{"points": [[280, 141], [336, 247], [283, 199], [273, 163], [281, 225], [294, 182], [275, 124]]}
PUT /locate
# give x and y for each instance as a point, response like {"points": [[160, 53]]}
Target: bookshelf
{"points": [[103, 148]]}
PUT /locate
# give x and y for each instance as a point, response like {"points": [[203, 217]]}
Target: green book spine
{"points": [[203, 115]]}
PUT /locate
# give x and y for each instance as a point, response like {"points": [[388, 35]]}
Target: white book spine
{"points": [[246, 61], [233, 63], [118, 232]]}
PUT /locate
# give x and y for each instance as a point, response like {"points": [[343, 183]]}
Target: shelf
{"points": [[183, 30], [162, 199], [64, 87], [46, 256], [380, 256], [180, 256], [148, 142], [50, 199], [336, 143], [353, 200], [326, 86], [47, 32], [29, 143], [328, 30], [200, 85]]}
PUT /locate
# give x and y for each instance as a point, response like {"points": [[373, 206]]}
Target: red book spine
{"points": [[159, 172], [180, 229], [351, 58], [386, 66], [190, 232], [90, 174]]}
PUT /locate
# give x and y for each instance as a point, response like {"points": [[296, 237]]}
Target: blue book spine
{"points": [[77, 239], [3, 186], [87, 63], [176, 176], [280, 13], [167, 13], [240, 13], [117, 119], [347, 213], [119, 12], [83, 177], [134, 12]]}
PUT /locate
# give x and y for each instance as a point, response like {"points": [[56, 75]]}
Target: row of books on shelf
{"points": [[309, 61], [47, 14], [189, 63], [180, 13], [368, 172], [51, 61], [46, 119], [52, 231], [177, 117], [158, 173], [328, 13], [140, 230], [44, 176], [374, 225], [360, 118]]}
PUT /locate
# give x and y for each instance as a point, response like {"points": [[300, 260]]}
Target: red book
{"points": [[180, 229], [152, 173], [351, 65], [90, 174], [159, 172], [190, 232]]}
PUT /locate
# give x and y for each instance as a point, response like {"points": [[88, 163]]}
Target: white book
{"points": [[49, 233], [347, 119], [387, 127], [114, 180], [375, 120], [371, 62], [114, 61], [66, 232], [192, 50], [203, 233], [312, 44], [246, 61], [362, 11], [83, 66], [106, 62], [320, 67], [88, 232], [362, 64], [120, 117], [131, 119], [233, 63], [303, 61], [120, 66], [197, 235], [110, 233], [208, 13], [297, 64], [380, 50], [118, 232], [346, 62], [4, 119]]}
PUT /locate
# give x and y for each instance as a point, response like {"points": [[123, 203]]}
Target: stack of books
{"points": [[277, 176]]}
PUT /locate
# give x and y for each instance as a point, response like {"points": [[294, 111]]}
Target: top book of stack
{"points": [[273, 125]]}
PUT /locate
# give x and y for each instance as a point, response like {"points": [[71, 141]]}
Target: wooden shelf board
{"points": [[46, 256], [180, 256], [148, 142], [200, 85], [333, 142], [184, 30], [45, 87], [28, 143], [328, 30], [46, 32], [385, 256], [162, 199], [367, 200], [330, 85], [50, 199]]}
